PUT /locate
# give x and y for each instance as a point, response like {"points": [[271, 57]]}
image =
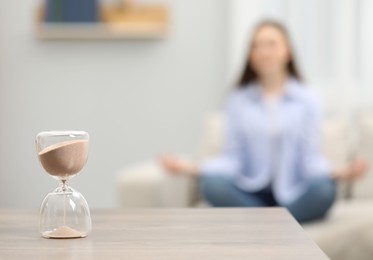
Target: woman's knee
{"points": [[215, 188], [323, 190], [315, 202]]}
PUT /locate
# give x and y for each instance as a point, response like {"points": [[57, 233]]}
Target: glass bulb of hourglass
{"points": [[64, 212]]}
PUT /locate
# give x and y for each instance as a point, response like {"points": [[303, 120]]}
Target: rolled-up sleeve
{"points": [[228, 162], [313, 162]]}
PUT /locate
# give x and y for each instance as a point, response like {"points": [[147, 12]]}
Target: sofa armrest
{"points": [[149, 185]]}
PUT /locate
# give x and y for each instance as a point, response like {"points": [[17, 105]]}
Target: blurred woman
{"points": [[271, 154]]}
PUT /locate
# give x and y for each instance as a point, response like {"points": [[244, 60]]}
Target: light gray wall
{"points": [[136, 98]]}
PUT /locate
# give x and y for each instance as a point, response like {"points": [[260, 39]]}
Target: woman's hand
{"points": [[355, 170], [177, 165]]}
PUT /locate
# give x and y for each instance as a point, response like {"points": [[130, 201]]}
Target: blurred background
{"points": [[141, 97]]}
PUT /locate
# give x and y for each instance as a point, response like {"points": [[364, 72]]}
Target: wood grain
{"points": [[234, 233]]}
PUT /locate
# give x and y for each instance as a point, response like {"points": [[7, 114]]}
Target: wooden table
{"points": [[230, 233]]}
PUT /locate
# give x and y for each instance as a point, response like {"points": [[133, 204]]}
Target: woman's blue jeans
{"points": [[313, 204]]}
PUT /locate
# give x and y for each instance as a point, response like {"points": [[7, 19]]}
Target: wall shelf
{"points": [[132, 22]]}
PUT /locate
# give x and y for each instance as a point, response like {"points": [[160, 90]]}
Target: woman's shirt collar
{"points": [[291, 91]]}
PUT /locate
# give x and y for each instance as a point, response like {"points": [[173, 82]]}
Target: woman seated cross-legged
{"points": [[271, 154]]}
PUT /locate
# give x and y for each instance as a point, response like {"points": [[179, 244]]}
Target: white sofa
{"points": [[347, 232]]}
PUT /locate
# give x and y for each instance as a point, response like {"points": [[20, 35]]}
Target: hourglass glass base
{"points": [[63, 232], [64, 214]]}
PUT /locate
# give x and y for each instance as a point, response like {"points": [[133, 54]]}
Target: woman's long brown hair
{"points": [[249, 75]]}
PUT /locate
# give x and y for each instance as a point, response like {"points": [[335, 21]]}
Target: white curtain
{"points": [[333, 40]]}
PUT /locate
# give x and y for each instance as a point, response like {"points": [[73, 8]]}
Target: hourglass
{"points": [[64, 212]]}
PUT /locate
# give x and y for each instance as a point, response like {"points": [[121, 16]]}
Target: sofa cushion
{"points": [[149, 185], [213, 135], [363, 188], [347, 231]]}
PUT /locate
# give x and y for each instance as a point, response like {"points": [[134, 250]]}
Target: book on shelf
{"points": [[78, 11]]}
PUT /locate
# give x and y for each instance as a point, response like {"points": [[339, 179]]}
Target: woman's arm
{"points": [[313, 161], [178, 165], [228, 162], [356, 169]]}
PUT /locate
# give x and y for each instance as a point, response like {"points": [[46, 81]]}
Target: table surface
{"points": [[211, 233]]}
